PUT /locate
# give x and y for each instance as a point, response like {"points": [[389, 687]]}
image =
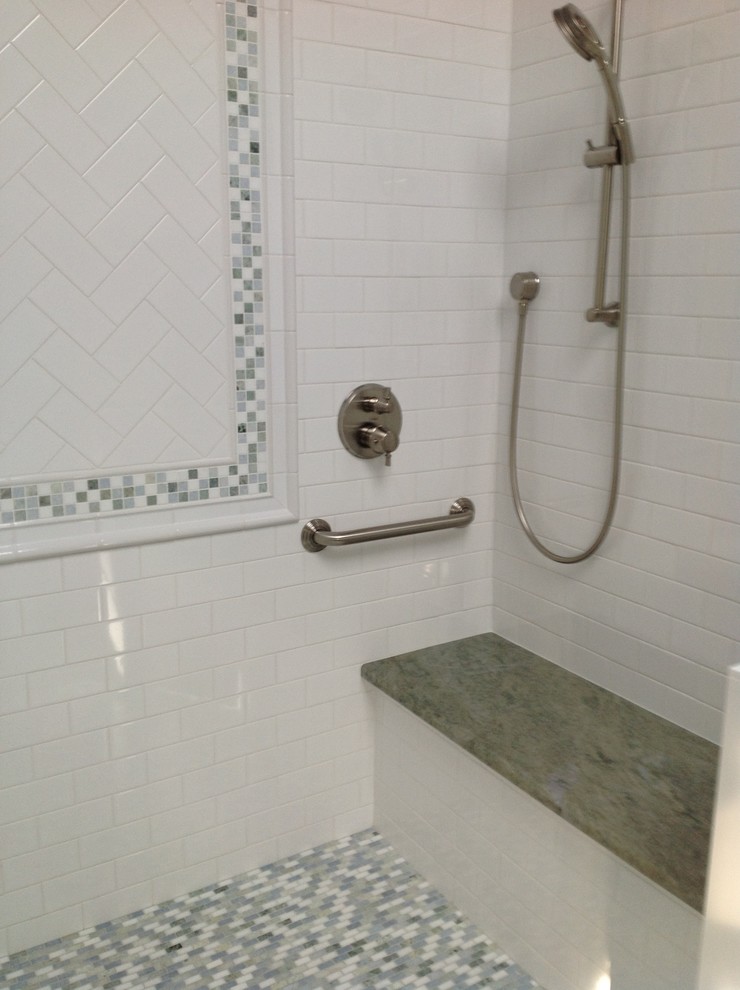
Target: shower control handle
{"points": [[370, 422], [378, 439], [378, 404]]}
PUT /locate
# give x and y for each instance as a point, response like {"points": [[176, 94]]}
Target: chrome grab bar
{"points": [[316, 535]]}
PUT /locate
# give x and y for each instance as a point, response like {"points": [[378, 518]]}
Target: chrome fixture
{"points": [[524, 285], [370, 422], [316, 535]]}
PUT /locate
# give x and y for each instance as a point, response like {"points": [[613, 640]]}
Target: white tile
{"points": [[16, 17], [72, 311], [119, 104], [151, 799], [27, 728], [71, 608], [364, 28], [275, 700], [174, 625], [174, 300], [178, 693], [36, 798], [182, 199], [300, 724], [70, 253], [324, 62], [200, 785], [180, 758], [313, 20], [137, 335], [182, 255], [88, 435], [182, 142], [20, 906], [121, 229], [122, 409], [101, 710], [213, 716], [243, 740], [119, 39], [121, 165], [18, 76], [14, 694], [129, 283], [19, 141], [72, 823], [208, 843], [17, 767], [109, 844], [144, 734], [23, 268], [184, 28], [74, 368], [179, 82], [51, 55], [236, 679], [198, 653], [21, 206], [74, 888], [74, 21], [185, 417], [140, 866], [66, 681], [65, 190]]}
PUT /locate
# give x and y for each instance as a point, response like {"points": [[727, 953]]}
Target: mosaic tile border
{"points": [[81, 497], [348, 915]]}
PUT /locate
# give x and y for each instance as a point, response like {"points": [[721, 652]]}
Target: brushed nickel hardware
{"points": [[378, 404], [608, 315], [606, 154], [370, 422], [617, 151], [316, 535], [581, 35], [524, 286], [379, 440]]}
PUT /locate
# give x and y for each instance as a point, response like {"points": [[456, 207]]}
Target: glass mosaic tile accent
{"points": [[350, 915], [79, 497]]}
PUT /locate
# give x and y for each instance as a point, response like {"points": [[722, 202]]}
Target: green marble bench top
{"points": [[636, 783]]}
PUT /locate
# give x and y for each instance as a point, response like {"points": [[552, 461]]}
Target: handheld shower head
{"points": [[581, 34], [579, 31]]}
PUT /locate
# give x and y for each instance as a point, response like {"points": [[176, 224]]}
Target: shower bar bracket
{"points": [[317, 535], [604, 314], [605, 154]]}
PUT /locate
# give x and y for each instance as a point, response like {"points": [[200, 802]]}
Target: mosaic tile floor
{"points": [[350, 915]]}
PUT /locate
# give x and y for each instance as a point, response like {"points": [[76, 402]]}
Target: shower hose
{"points": [[618, 404]]}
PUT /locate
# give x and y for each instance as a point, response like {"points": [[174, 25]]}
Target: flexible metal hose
{"points": [[618, 402]]}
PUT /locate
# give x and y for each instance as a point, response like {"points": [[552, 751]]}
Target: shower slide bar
{"points": [[316, 535]]}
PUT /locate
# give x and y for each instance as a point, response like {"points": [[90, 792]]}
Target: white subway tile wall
{"points": [[654, 616], [573, 914], [198, 702], [175, 713]]}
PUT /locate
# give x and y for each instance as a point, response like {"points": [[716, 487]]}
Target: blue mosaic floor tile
{"points": [[349, 915]]}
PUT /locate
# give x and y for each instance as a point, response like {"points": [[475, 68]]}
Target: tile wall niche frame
{"points": [[257, 485]]}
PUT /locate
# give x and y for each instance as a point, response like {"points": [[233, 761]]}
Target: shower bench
{"points": [[639, 786]]}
